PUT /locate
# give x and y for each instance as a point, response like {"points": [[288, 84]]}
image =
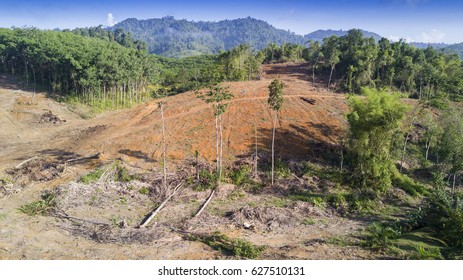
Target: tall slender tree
{"points": [[217, 95], [275, 101]]}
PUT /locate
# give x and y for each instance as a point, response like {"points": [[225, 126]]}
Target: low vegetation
{"points": [[234, 246]]}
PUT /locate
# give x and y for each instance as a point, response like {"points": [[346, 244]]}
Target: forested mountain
{"points": [[455, 48], [176, 38], [421, 45], [319, 35]]}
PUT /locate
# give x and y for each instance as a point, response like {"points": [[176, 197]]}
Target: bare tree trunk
{"points": [[255, 136], [273, 143], [197, 165], [331, 74], [221, 147], [342, 157], [428, 144], [217, 144], [164, 166], [453, 185], [33, 94], [313, 74], [403, 151]]}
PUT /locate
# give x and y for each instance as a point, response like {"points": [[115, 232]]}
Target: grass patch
{"points": [[281, 169], [317, 200], [339, 240], [408, 184], [232, 246], [41, 207], [92, 177], [308, 222], [114, 171], [144, 190]]}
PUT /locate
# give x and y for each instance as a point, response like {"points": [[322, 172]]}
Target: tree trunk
{"points": [[221, 147], [428, 144], [217, 144], [164, 166], [273, 143], [331, 74], [403, 152], [33, 94], [255, 156], [313, 74]]}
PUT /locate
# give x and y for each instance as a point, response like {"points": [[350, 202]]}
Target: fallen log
{"points": [[24, 162], [205, 204], [153, 213]]}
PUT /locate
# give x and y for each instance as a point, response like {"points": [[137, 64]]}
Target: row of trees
{"points": [[354, 61], [94, 71]]}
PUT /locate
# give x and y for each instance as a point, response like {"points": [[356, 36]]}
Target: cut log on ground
{"points": [[153, 213], [205, 204], [26, 161]]}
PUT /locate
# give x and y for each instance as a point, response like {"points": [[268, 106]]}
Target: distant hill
{"points": [[170, 37], [455, 48], [425, 45], [176, 38], [319, 35]]}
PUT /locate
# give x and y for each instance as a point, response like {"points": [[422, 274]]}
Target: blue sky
{"points": [[414, 20]]}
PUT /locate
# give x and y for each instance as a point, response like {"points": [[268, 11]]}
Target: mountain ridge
{"points": [[172, 37]]}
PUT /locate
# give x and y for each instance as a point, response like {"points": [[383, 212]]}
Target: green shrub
{"points": [[92, 177], [314, 199], [41, 207], [281, 169], [338, 201], [236, 246], [444, 212], [380, 237], [144, 190], [426, 254], [239, 175], [207, 180]]}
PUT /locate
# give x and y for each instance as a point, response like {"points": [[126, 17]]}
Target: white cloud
{"points": [[394, 38], [110, 20], [433, 36]]}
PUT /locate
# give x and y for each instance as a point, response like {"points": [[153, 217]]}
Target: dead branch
{"points": [[205, 204], [150, 216], [26, 161], [63, 215], [300, 180]]}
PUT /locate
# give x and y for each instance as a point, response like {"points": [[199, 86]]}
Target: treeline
{"points": [[238, 64], [117, 35], [108, 69], [97, 72], [353, 61]]}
